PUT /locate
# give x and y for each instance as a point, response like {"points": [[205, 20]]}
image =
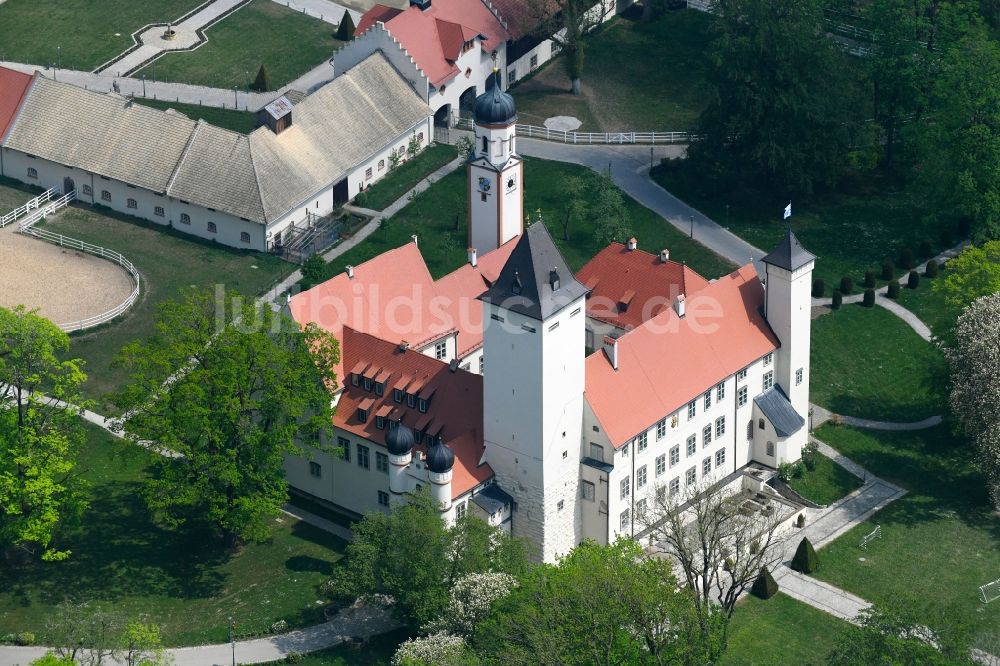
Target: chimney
{"points": [[403, 346], [679, 305], [664, 256], [277, 115], [632, 243], [424, 5], [611, 350], [350, 272], [414, 237], [453, 365], [472, 257], [554, 279]]}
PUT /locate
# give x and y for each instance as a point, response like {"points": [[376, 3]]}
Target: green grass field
{"points": [[263, 32], [87, 33], [243, 122], [866, 362], [826, 483], [669, 95], [868, 219], [183, 581], [940, 541], [930, 306], [780, 632], [167, 263], [13, 195], [405, 176], [438, 216]]}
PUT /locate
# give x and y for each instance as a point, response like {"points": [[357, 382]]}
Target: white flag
{"points": [[788, 211]]}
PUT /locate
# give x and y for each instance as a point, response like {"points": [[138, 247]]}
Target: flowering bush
{"points": [[441, 649], [470, 600], [279, 627]]}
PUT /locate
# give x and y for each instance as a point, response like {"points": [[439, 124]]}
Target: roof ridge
{"points": [[184, 153], [256, 180]]}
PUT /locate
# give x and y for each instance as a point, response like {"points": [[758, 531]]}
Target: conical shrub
{"points": [[765, 586], [805, 560]]}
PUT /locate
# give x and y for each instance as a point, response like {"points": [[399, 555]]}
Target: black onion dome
{"points": [[440, 458], [495, 107], [400, 439]]}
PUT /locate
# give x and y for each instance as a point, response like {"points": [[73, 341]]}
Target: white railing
{"points": [[868, 538], [27, 208], [590, 138], [990, 591], [27, 227]]}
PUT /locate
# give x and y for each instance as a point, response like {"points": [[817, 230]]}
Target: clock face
{"points": [[484, 184], [511, 182]]}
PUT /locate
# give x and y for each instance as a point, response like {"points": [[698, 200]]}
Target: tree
{"points": [[973, 273], [608, 212], [975, 383], [440, 649], [411, 555], [776, 116], [140, 645], [891, 635], [86, 634], [229, 393], [314, 269], [51, 659], [568, 23], [345, 31], [470, 600], [600, 605], [40, 489], [573, 189], [719, 548], [805, 560], [263, 82]]}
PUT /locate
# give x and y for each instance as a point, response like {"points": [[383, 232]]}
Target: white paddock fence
{"points": [[26, 209], [27, 227], [590, 138]]}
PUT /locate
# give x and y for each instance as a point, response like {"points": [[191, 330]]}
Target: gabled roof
{"points": [[778, 410], [520, 17], [433, 37], [616, 271], [535, 281], [789, 254], [669, 360], [13, 86], [455, 409]]}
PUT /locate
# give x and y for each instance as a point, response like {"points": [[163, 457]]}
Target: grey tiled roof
{"points": [[260, 177], [492, 499], [789, 254], [776, 408]]}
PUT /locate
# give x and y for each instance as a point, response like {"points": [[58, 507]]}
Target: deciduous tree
{"points": [[41, 436], [569, 24], [973, 273], [608, 212], [229, 392]]}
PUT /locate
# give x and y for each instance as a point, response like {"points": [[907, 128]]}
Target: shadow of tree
{"points": [[309, 563]]}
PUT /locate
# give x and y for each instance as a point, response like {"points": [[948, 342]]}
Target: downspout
{"points": [[631, 483], [736, 407]]}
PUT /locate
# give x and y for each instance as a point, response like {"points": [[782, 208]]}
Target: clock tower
{"points": [[496, 204]]}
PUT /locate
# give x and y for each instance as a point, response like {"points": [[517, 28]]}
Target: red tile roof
{"points": [[434, 37], [669, 359], [521, 16], [637, 280], [13, 88], [394, 297], [455, 405]]}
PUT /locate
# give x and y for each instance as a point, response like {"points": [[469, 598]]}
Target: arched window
{"points": [[185, 218], [760, 424], [486, 145], [245, 236], [749, 429], [211, 227], [32, 172], [131, 203], [770, 449]]}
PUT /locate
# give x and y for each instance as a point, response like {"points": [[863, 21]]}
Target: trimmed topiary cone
{"points": [[932, 269], [805, 560], [869, 299], [345, 31], [765, 586], [837, 301]]}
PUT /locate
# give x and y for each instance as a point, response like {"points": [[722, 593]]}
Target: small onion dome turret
{"points": [[440, 458], [495, 107], [400, 439]]}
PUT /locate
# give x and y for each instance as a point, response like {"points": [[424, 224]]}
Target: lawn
{"points": [[438, 216], [780, 631], [404, 177], [939, 542], [13, 195], [931, 306], [867, 219], [286, 42], [662, 92], [866, 362], [243, 122], [826, 483], [167, 262], [183, 581], [87, 33]]}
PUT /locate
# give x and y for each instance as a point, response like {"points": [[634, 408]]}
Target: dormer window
{"points": [[362, 415], [397, 395], [368, 384], [380, 422], [422, 406], [411, 400], [419, 436], [515, 287], [355, 379], [379, 388]]}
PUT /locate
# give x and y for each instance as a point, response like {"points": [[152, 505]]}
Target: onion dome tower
{"points": [[399, 440], [440, 460]]}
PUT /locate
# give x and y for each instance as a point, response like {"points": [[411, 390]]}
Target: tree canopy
{"points": [[973, 273]]}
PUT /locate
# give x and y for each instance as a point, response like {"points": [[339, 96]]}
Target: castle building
{"points": [[550, 403]]}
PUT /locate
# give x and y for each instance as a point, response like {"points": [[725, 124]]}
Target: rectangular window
{"points": [[769, 359], [640, 508], [381, 165], [533, 63], [706, 466], [798, 376], [708, 399], [741, 396], [368, 383], [554, 326], [158, 212], [345, 448], [422, 405], [382, 462], [706, 435], [441, 350], [626, 488], [411, 400], [692, 408], [368, 173], [641, 442], [383, 498], [244, 236], [559, 505], [315, 469], [380, 422], [587, 490], [661, 493], [460, 510], [362, 415], [661, 429], [720, 457], [212, 228], [597, 452], [720, 427], [185, 218], [355, 379], [742, 374], [675, 455], [88, 190], [379, 388], [363, 456], [691, 476], [661, 464], [132, 203], [692, 445], [720, 391], [675, 486], [640, 477], [397, 395], [105, 195], [768, 379], [625, 451], [482, 363]]}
